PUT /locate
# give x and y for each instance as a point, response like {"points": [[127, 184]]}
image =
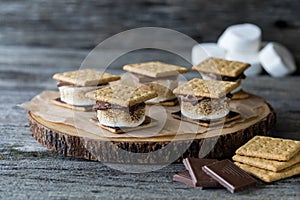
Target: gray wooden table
{"points": [[30, 171]]}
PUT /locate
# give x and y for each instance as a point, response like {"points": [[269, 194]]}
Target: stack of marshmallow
{"points": [[242, 42]]}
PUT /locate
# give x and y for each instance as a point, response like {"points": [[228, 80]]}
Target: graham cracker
{"points": [[206, 88], [155, 69], [240, 95], [122, 95], [86, 77], [59, 102], [271, 165], [269, 176], [270, 148], [148, 122], [207, 123], [222, 67]]}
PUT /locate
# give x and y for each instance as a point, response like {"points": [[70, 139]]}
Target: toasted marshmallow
{"points": [[121, 118], [207, 109]]}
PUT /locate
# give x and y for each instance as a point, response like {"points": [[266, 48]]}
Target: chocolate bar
{"points": [[200, 178], [185, 178], [229, 175]]}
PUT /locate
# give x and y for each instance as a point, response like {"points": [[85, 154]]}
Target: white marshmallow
{"points": [[204, 50], [251, 58], [76, 95], [277, 60], [241, 38]]}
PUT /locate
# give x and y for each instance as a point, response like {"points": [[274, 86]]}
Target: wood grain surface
{"points": [[84, 24], [67, 140], [39, 38], [30, 171]]}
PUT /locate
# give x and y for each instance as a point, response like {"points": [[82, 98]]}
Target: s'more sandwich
{"points": [[73, 85], [205, 99], [221, 69], [120, 105], [158, 76]]}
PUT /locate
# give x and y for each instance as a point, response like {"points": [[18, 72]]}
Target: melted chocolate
{"points": [[228, 78], [61, 83], [225, 78], [195, 100], [102, 105]]}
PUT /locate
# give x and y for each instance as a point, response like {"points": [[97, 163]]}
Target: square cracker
{"points": [[269, 176], [155, 69], [221, 66], [121, 95], [272, 165], [206, 88], [270, 148], [85, 77]]}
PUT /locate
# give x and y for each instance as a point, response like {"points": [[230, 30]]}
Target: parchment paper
{"points": [[41, 106]]}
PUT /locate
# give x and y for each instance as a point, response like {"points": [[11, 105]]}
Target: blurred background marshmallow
{"points": [[243, 42], [277, 60], [239, 38]]}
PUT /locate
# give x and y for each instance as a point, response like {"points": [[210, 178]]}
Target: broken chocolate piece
{"points": [[224, 78], [185, 178], [200, 178], [229, 175]]}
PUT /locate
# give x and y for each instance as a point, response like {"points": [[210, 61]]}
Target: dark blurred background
{"points": [[76, 25]]}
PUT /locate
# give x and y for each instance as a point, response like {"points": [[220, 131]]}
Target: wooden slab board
{"points": [[68, 140]]}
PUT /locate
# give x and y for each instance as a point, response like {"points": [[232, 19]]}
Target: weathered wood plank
{"points": [[53, 177], [30, 171], [77, 24], [51, 23]]}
